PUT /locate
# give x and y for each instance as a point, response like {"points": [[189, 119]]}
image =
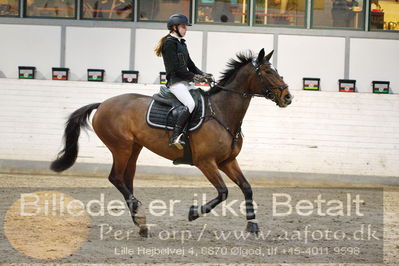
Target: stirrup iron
{"points": [[177, 142]]}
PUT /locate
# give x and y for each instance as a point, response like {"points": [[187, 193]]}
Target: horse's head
{"points": [[268, 82]]}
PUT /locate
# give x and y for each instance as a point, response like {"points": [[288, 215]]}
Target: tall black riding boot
{"points": [[175, 140]]}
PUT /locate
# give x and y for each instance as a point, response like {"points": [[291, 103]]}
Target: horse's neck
{"points": [[231, 107]]}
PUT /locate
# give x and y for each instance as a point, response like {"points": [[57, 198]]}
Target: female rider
{"points": [[180, 72]]}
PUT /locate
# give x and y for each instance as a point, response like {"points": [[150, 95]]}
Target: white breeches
{"points": [[181, 91]]}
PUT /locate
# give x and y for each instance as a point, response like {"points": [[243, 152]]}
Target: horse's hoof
{"points": [[144, 232], [253, 228], [193, 213]]}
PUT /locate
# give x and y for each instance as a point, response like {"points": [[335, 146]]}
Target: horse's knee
{"points": [[113, 180]]}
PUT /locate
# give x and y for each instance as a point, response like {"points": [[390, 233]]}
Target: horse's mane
{"points": [[233, 65]]}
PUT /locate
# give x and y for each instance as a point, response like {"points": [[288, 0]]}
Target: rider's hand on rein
{"points": [[208, 76], [199, 78]]}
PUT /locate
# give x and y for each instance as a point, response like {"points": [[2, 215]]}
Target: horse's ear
{"points": [[261, 55], [269, 56]]}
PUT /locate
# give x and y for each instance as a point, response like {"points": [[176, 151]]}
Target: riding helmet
{"points": [[177, 19]]}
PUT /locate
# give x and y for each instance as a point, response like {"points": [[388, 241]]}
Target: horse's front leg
{"points": [[211, 171], [233, 171]]}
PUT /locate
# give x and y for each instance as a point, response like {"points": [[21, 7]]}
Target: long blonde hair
{"points": [[158, 48]]}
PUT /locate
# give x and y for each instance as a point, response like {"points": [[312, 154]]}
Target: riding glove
{"points": [[199, 78], [209, 77]]}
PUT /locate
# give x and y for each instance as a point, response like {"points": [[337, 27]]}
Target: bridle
{"points": [[267, 89]]}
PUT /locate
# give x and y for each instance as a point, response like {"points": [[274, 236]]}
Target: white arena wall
{"points": [[103, 48], [320, 133], [115, 49], [25, 45]]}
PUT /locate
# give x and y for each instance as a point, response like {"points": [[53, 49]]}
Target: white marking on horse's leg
{"points": [[140, 216], [199, 211]]}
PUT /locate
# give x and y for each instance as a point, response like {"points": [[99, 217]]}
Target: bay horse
{"points": [[120, 122]]}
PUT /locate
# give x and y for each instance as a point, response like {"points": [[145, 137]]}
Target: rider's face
{"points": [[182, 29]]}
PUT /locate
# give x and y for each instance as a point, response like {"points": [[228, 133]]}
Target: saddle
{"points": [[161, 111]]}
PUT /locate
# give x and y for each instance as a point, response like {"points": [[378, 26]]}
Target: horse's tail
{"points": [[78, 119]]}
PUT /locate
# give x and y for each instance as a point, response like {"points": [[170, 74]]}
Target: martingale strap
{"points": [[213, 116]]}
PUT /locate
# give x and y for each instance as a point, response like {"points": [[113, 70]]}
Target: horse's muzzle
{"points": [[288, 99]]}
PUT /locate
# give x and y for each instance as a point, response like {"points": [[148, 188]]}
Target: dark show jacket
{"points": [[178, 64]]}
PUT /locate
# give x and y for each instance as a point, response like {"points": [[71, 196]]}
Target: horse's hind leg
{"points": [[233, 171], [117, 178], [131, 166], [134, 204], [211, 171]]}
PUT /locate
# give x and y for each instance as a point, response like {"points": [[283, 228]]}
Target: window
{"points": [[50, 8], [280, 12], [9, 8], [161, 10], [108, 9], [223, 11], [384, 15], [338, 14]]}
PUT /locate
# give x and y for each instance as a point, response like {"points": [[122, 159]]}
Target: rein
{"points": [[267, 90], [246, 94]]}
